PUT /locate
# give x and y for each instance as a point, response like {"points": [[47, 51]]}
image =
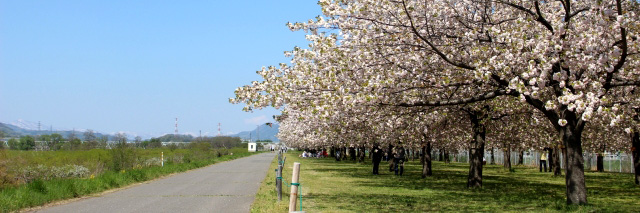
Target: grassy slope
{"points": [[42, 192], [330, 186], [96, 160]]}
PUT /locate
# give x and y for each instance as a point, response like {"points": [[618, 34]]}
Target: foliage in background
{"points": [[175, 138], [221, 141], [26, 143]]}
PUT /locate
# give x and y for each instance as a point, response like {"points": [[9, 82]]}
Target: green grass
{"points": [[330, 186], [96, 160], [41, 192]]}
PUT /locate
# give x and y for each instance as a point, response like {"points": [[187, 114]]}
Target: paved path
{"points": [[223, 187]]}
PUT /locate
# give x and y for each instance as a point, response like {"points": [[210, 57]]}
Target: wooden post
{"points": [[278, 170], [293, 196], [279, 182], [283, 161]]}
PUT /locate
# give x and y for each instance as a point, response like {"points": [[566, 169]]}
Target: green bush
{"points": [[13, 143], [42, 172], [26, 143], [123, 157]]}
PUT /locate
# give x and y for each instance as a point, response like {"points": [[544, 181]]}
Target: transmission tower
{"points": [[219, 132], [176, 133]]}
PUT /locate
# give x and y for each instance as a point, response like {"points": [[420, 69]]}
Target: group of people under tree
{"points": [[394, 155], [314, 153]]}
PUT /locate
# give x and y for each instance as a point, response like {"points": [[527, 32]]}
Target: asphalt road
{"points": [[223, 187]]}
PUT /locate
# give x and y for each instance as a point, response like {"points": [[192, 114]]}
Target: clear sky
{"points": [[134, 66]]}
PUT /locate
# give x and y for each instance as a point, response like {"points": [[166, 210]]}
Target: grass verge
{"points": [[330, 186], [41, 192]]}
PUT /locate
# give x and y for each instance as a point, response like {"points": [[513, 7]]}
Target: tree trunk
{"points": [[476, 150], [521, 157], [557, 170], [493, 159], [550, 159], [600, 162], [344, 153], [332, 151], [447, 159], [426, 159], [635, 151], [507, 156], [441, 155], [574, 166], [362, 154]]}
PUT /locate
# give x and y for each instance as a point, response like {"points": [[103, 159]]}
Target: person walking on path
{"points": [[543, 161], [376, 158]]}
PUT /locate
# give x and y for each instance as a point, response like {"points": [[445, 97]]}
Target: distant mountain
{"points": [[24, 128], [266, 133], [27, 125], [21, 128], [8, 131], [175, 138]]}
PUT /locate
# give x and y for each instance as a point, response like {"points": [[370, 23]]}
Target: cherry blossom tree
{"points": [[573, 61]]}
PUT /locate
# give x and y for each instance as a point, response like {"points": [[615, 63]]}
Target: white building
{"points": [[252, 146]]}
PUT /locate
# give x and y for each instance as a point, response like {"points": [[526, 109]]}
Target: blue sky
{"points": [[134, 66]]}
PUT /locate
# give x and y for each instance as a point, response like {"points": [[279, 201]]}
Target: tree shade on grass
{"points": [[345, 186]]}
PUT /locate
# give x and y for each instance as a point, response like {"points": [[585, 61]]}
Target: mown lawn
{"points": [[330, 186]]}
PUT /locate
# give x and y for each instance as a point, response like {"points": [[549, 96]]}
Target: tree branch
{"points": [[623, 47], [487, 96], [435, 49], [538, 15]]}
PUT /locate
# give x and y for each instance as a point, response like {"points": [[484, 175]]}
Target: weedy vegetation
{"points": [[34, 178]]}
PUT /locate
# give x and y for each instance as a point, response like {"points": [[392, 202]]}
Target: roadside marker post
{"points": [[279, 182], [294, 186]]}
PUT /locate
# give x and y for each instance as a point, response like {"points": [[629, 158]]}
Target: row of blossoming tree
{"points": [[452, 74]]}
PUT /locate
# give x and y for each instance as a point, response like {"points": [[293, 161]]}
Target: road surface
{"points": [[223, 187]]}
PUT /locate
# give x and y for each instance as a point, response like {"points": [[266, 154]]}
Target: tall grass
{"points": [[39, 192], [345, 186]]}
